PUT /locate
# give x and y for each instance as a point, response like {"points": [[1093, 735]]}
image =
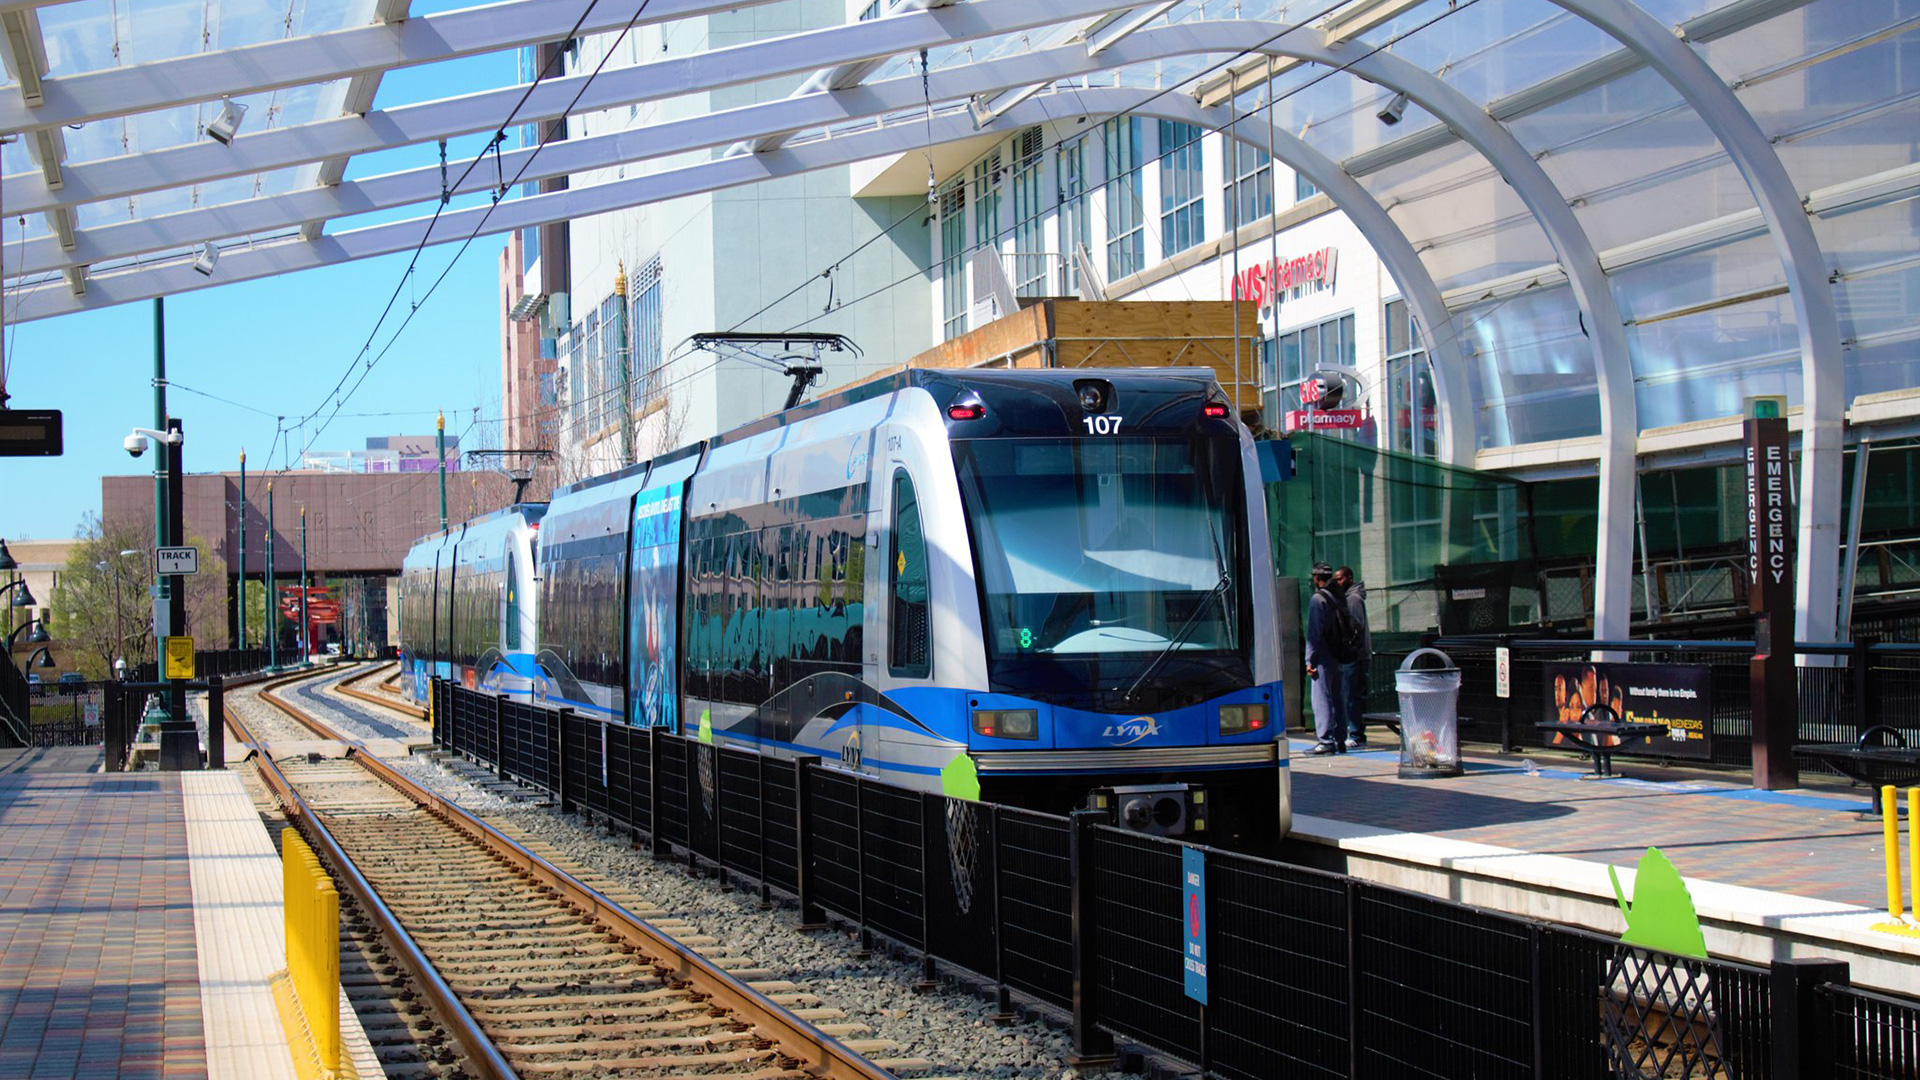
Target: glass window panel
{"points": [[1181, 203], [1126, 213], [1249, 188], [1651, 289], [1702, 366], [1530, 369]]}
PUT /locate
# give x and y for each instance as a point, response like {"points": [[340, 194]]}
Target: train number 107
{"points": [[1101, 425]]}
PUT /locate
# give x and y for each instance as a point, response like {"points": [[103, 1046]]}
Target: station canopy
{"points": [[1610, 218]]}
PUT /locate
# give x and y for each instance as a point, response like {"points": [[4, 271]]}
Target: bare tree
{"points": [[103, 607]]}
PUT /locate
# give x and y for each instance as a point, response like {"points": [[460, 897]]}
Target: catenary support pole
{"points": [[272, 628], [241, 640], [440, 450], [162, 454]]}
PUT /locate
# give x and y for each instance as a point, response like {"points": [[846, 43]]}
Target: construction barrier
{"points": [[309, 994]]}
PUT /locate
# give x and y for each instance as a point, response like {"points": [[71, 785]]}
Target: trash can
{"points": [[1429, 717]]}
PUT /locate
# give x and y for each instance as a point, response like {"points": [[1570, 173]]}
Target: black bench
{"points": [[1598, 724], [1391, 721], [1880, 756]]}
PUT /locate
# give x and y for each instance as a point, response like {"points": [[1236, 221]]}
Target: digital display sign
{"points": [[30, 433]]}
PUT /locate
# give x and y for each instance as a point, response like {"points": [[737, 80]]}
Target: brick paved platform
{"points": [[1809, 843], [98, 970]]}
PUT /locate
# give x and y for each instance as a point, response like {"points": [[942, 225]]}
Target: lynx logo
{"points": [[1131, 731], [850, 751]]}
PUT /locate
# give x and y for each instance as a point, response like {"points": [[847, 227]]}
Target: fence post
{"points": [[656, 843], [760, 800], [811, 917], [216, 723], [500, 736], [1003, 1013], [554, 762], [1353, 978], [1799, 1050], [114, 735], [560, 718], [865, 948], [1091, 1046], [1861, 663]]}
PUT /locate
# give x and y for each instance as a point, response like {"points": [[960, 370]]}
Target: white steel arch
{"points": [[1823, 376]]}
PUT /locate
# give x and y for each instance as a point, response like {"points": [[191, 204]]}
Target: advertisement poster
{"points": [[1678, 695], [653, 631]]}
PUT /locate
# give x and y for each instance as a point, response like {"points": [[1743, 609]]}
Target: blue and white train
{"points": [[1019, 586], [469, 604]]}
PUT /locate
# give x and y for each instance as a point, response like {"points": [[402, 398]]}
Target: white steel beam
{"points": [[277, 148], [1726, 19], [338, 54], [1823, 374], [357, 100]]}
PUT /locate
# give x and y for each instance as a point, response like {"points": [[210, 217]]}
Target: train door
{"points": [[899, 616], [653, 627]]}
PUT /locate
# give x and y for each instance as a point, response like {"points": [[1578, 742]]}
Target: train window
{"points": [[911, 652]]}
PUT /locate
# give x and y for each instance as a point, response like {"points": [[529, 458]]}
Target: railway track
{"points": [[387, 696], [529, 969]]}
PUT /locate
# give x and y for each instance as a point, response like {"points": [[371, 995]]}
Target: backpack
{"points": [[1345, 638]]}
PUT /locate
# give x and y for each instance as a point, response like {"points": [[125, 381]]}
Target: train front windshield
{"points": [[1105, 560]]}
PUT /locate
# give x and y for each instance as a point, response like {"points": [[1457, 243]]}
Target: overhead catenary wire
{"points": [[499, 137], [1235, 118]]}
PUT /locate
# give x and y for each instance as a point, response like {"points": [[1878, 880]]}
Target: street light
{"points": [[119, 635], [38, 637], [44, 654]]}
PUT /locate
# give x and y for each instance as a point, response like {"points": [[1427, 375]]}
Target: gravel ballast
{"points": [[950, 1026]]}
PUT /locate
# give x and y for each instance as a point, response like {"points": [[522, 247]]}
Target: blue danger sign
{"points": [[1193, 916]]}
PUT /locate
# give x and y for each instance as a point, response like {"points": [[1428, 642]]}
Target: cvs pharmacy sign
{"points": [[1272, 281]]}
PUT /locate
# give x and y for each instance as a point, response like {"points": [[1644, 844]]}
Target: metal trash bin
{"points": [[1429, 717]]}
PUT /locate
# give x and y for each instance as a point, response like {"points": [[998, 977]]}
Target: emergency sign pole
{"points": [[1770, 567]]}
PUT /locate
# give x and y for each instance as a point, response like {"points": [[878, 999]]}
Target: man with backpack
{"points": [[1354, 673], [1332, 641]]}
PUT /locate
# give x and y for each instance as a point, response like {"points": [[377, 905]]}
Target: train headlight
{"points": [[1007, 723], [1240, 719]]}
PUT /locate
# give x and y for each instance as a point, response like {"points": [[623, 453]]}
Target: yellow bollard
{"points": [[1897, 921], [1890, 828]]}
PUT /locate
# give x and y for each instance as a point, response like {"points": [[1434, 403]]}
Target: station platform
{"points": [[140, 923], [1772, 874]]}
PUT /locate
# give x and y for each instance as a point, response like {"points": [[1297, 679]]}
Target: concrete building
{"points": [[613, 377], [358, 525]]}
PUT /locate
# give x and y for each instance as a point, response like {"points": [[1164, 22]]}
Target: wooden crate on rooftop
{"points": [[1069, 333]]}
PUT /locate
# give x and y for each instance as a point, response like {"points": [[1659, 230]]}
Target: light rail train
{"points": [[1020, 586], [468, 604]]}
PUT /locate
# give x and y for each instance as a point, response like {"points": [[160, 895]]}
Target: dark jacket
{"points": [[1319, 650], [1357, 607]]}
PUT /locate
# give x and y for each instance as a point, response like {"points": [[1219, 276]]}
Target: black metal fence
{"points": [[66, 714], [1309, 973], [1844, 689], [210, 662]]}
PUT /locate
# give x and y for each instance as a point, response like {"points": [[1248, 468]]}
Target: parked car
{"points": [[33, 678], [72, 682]]}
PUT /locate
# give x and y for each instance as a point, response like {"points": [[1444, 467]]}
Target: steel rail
{"points": [[799, 1040], [385, 701], [483, 1057]]}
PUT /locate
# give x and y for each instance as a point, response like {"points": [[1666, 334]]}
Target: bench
{"points": [[1880, 756], [1596, 725], [1391, 721]]}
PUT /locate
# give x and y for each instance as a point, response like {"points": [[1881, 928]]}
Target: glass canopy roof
{"points": [[1554, 165]]}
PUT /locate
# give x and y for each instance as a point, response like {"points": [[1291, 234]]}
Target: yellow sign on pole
{"points": [[179, 658]]}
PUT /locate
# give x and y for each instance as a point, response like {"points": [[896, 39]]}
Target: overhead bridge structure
{"points": [[1610, 218]]}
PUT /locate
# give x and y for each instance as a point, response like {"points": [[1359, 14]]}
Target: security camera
{"points": [[1394, 111], [136, 445]]}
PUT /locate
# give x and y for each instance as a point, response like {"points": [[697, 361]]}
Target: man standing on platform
{"points": [[1355, 675], [1326, 611]]}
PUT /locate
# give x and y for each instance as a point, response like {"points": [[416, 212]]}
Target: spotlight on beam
{"points": [[227, 123], [205, 258], [1391, 114]]}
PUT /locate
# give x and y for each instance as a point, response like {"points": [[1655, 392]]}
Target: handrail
{"points": [[1810, 648]]}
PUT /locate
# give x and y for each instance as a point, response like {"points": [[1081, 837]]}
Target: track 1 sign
{"points": [[176, 561]]}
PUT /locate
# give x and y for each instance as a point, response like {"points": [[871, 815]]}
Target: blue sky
{"points": [[269, 348]]}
